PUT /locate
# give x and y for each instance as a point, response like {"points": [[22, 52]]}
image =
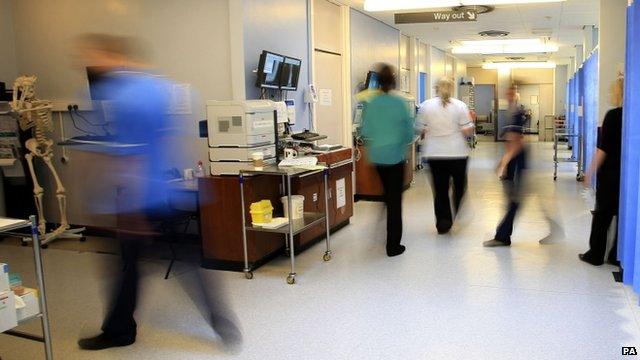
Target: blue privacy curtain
{"points": [[576, 119], [629, 231], [590, 95], [580, 107]]}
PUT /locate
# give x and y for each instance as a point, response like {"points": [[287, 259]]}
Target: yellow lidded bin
{"points": [[261, 212]]}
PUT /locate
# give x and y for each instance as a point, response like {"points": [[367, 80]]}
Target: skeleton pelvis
{"points": [[39, 150]]}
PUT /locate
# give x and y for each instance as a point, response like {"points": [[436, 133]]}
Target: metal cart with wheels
{"points": [[566, 135], [8, 225], [295, 226]]}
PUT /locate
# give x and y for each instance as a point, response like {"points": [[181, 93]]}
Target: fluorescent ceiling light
{"points": [[509, 46], [519, 65], [389, 5]]}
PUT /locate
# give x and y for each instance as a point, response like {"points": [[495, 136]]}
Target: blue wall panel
{"points": [[629, 231], [590, 108]]}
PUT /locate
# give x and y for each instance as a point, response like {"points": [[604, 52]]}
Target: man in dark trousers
{"points": [[511, 169]]}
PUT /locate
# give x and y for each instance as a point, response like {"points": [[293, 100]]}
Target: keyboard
{"points": [[306, 135], [305, 161]]}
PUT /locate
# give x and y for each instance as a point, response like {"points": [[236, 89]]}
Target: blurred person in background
{"points": [[387, 128], [606, 167], [141, 132], [446, 123], [511, 168]]}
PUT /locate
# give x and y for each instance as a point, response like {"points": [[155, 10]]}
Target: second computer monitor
{"points": [[290, 73]]}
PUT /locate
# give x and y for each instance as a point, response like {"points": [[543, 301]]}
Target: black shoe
{"points": [[396, 251], [104, 341], [443, 231], [496, 243], [588, 260]]}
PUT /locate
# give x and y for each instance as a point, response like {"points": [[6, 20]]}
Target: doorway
{"points": [[485, 111]]}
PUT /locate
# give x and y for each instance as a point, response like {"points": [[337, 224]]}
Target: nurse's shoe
{"points": [[496, 243], [588, 260], [104, 341]]}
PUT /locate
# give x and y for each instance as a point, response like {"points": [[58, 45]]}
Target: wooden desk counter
{"points": [[368, 185], [220, 212]]}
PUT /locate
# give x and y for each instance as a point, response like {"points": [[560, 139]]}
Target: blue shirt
{"points": [[137, 110], [387, 128]]}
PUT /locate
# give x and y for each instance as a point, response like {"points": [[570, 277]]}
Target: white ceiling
{"points": [[562, 22]]}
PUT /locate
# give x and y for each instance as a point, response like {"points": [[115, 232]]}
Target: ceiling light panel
{"points": [[507, 46], [387, 5], [519, 65]]}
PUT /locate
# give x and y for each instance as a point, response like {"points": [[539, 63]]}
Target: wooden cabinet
{"points": [[368, 185], [221, 221]]}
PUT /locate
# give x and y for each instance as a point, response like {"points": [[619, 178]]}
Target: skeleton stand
{"points": [[35, 115]]}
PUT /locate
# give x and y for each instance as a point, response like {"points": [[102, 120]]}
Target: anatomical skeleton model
{"points": [[35, 115]]}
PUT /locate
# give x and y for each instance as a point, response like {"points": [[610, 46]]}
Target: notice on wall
{"points": [[341, 196], [325, 97], [180, 102], [503, 104], [580, 111]]}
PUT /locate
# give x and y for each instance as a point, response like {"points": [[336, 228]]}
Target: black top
{"points": [[515, 121], [608, 185]]}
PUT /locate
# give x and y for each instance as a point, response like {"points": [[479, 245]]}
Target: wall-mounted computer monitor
{"points": [[372, 82], [290, 73], [269, 70]]}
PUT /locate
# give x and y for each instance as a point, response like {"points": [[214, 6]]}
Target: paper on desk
{"points": [[341, 198]]}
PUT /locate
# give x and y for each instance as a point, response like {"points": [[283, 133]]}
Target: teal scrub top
{"points": [[387, 128]]}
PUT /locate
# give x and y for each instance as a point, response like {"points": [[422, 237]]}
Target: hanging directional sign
{"points": [[436, 17]]}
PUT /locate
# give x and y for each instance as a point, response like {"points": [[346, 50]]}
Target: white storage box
{"points": [[4, 278], [8, 315], [31, 305]]}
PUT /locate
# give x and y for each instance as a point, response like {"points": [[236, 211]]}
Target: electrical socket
{"points": [[63, 105]]}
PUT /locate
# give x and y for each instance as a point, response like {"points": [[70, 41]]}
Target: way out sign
{"points": [[436, 17]]}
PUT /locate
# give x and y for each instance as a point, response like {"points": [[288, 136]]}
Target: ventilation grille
{"points": [[480, 9], [493, 33]]}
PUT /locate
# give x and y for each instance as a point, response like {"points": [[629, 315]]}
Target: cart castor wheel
{"points": [[326, 257], [83, 239], [580, 178], [248, 274], [291, 279], [44, 246], [555, 178]]}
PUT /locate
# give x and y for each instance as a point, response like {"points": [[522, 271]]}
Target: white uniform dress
{"points": [[444, 125]]}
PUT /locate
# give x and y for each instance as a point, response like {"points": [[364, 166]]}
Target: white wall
{"points": [[612, 43], [8, 70], [189, 42], [279, 26], [560, 93], [372, 41]]}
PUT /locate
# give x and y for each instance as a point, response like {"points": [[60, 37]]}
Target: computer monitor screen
{"points": [[372, 82], [290, 74], [269, 70]]}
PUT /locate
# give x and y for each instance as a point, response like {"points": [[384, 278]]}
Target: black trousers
{"points": [[513, 184], [443, 172], [392, 178], [133, 231], [606, 210]]}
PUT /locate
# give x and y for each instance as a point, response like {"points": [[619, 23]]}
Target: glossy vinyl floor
{"points": [[447, 297]]}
